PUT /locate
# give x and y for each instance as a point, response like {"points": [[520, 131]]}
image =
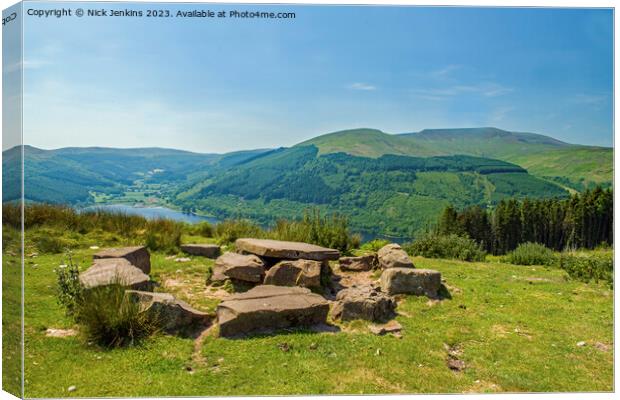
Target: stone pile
{"points": [[284, 271]]}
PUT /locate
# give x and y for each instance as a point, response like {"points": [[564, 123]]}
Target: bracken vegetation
{"points": [[449, 246]]}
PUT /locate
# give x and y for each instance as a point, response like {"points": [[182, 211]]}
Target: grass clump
{"points": [[327, 231], [226, 232], [204, 229], [588, 267], [106, 315], [530, 254], [374, 245], [450, 246], [109, 318]]}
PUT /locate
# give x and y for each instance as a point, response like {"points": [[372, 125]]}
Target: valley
{"points": [[390, 185]]}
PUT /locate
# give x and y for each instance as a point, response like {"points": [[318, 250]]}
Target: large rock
{"points": [[411, 281], [393, 256], [174, 316], [137, 255], [305, 273], [361, 263], [203, 250], [267, 308], [109, 271], [286, 250], [247, 268], [364, 302]]}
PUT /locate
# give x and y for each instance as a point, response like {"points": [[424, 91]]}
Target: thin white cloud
{"points": [[361, 86], [583, 98], [445, 71], [487, 89], [500, 113]]}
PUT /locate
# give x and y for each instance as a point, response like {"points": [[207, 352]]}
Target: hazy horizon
{"points": [[215, 86]]}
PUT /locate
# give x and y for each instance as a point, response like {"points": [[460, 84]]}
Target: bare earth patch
{"points": [[60, 333]]}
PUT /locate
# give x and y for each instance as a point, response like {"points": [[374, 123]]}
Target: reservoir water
{"points": [[154, 213]]}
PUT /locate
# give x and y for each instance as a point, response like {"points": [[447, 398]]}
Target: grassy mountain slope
{"points": [[574, 166], [68, 175], [388, 195]]}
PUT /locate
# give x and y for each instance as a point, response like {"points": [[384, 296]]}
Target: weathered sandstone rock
{"points": [[137, 255], [174, 316], [110, 271], [203, 250], [411, 281], [393, 256], [266, 308], [361, 263], [304, 273], [363, 302], [286, 250], [247, 268]]}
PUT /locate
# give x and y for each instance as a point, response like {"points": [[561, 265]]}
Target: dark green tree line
{"points": [[585, 220]]}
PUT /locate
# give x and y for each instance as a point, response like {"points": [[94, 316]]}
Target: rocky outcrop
{"points": [[109, 271], [304, 273], [419, 282], [203, 250], [364, 302], [361, 263], [137, 255], [286, 250], [393, 256], [247, 268], [266, 308], [172, 315]]}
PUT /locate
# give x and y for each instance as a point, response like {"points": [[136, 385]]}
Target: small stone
{"points": [[182, 259], [284, 347], [581, 344], [314, 346], [71, 389], [378, 352], [94, 247], [391, 327], [456, 365]]}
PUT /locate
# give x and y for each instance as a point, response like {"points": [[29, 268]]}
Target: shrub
{"points": [[332, 231], [49, 242], [228, 231], [446, 246], [597, 267], [69, 291], [374, 245], [164, 235], [204, 229], [530, 254], [109, 318]]}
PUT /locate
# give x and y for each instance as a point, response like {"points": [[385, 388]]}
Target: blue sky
{"points": [[222, 85]]}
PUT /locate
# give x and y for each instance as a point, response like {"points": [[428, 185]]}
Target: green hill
{"points": [[390, 195], [574, 166], [68, 175]]}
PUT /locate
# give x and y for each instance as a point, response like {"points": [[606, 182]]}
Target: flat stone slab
{"points": [[137, 255], [109, 271], [393, 256], [267, 308], [203, 250], [420, 282], [304, 273], [175, 316], [364, 302], [247, 268], [286, 250], [360, 263]]}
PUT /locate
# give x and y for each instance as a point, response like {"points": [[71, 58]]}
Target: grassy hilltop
{"points": [[515, 328]]}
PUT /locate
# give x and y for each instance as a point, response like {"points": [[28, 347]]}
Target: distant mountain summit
{"points": [[574, 166]]}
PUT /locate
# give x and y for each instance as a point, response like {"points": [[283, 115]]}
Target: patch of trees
{"points": [[585, 220]]}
